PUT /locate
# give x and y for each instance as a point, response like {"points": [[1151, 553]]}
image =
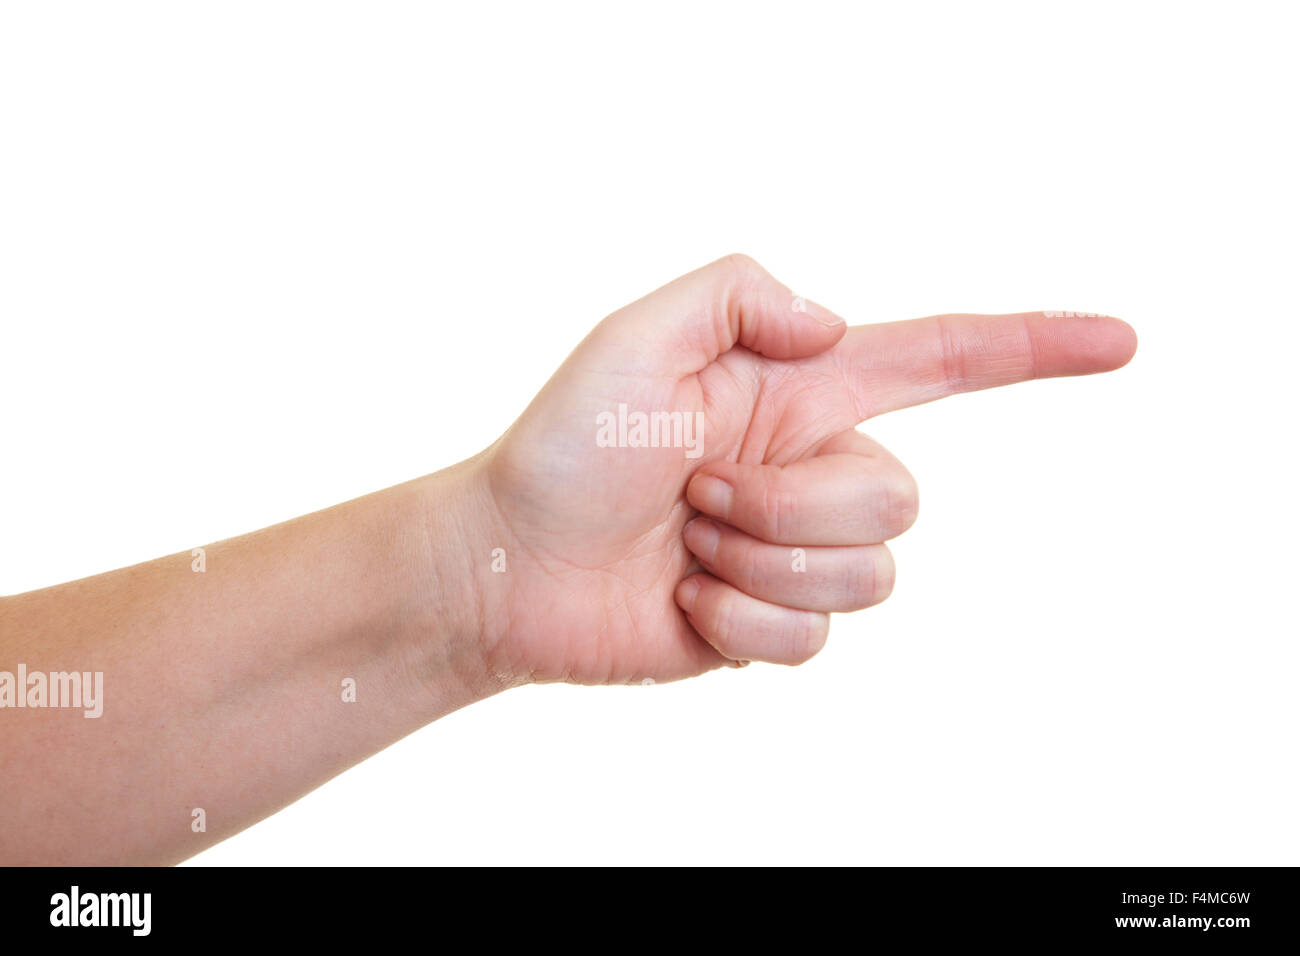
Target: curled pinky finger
{"points": [[743, 628]]}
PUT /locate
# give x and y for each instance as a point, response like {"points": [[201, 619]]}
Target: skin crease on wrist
{"points": [[547, 557]]}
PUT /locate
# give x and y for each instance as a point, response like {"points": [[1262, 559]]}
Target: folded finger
{"points": [[846, 578], [743, 628], [840, 498]]}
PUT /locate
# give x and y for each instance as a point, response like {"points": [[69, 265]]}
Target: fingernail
{"points": [[702, 536], [823, 315], [712, 494], [686, 592]]}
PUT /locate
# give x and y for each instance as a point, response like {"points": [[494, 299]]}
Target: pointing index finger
{"points": [[897, 364]]}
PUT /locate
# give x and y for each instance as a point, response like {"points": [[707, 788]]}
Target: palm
{"points": [[596, 532]]}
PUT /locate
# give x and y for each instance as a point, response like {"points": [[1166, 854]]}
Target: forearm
{"points": [[224, 685]]}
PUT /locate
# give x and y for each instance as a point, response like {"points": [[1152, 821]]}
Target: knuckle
{"points": [[885, 572], [952, 356], [739, 264], [747, 560], [869, 579], [741, 277], [902, 501], [722, 625], [735, 280], [861, 583], [779, 512], [808, 637]]}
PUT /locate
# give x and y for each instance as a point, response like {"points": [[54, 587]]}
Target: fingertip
{"points": [[1081, 343], [1112, 341], [711, 494], [1125, 342], [702, 536], [686, 593]]}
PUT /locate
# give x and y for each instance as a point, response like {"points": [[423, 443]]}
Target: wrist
{"points": [[446, 520]]}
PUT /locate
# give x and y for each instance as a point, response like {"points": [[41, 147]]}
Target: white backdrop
{"points": [[259, 258]]}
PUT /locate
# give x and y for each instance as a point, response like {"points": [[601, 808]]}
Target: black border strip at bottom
{"points": [[1225, 907]]}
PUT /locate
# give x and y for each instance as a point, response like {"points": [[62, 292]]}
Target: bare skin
{"points": [[222, 688]]}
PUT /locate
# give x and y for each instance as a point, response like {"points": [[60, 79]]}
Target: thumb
{"points": [[679, 329]]}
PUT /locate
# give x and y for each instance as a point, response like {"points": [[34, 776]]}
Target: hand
{"points": [[610, 576]]}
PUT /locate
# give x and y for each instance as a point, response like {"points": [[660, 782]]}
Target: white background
{"points": [[259, 258]]}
